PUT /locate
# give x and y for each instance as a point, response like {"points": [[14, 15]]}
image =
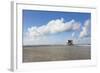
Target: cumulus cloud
{"points": [[52, 27], [85, 29]]}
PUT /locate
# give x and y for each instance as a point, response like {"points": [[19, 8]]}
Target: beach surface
{"points": [[42, 53]]}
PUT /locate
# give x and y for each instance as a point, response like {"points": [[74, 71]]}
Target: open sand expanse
{"points": [[55, 53]]}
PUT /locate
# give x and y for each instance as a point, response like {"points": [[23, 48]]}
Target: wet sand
{"points": [[55, 53]]}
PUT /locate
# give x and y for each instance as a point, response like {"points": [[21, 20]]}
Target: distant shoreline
{"points": [[57, 45]]}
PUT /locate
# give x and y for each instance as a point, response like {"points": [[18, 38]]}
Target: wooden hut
{"points": [[70, 42]]}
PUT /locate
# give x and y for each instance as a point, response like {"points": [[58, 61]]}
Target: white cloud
{"points": [[85, 29], [52, 27], [36, 35]]}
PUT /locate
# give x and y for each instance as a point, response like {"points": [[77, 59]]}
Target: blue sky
{"points": [[37, 19]]}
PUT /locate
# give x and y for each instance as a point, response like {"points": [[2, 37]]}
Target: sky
{"points": [[55, 27]]}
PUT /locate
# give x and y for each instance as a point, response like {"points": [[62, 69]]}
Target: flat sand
{"points": [[55, 53]]}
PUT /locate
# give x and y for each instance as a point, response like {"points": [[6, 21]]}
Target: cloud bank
{"points": [[53, 27], [37, 34]]}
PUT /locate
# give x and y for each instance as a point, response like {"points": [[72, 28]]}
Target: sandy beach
{"points": [[41, 53]]}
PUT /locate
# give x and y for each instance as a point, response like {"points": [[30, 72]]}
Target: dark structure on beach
{"points": [[70, 42]]}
